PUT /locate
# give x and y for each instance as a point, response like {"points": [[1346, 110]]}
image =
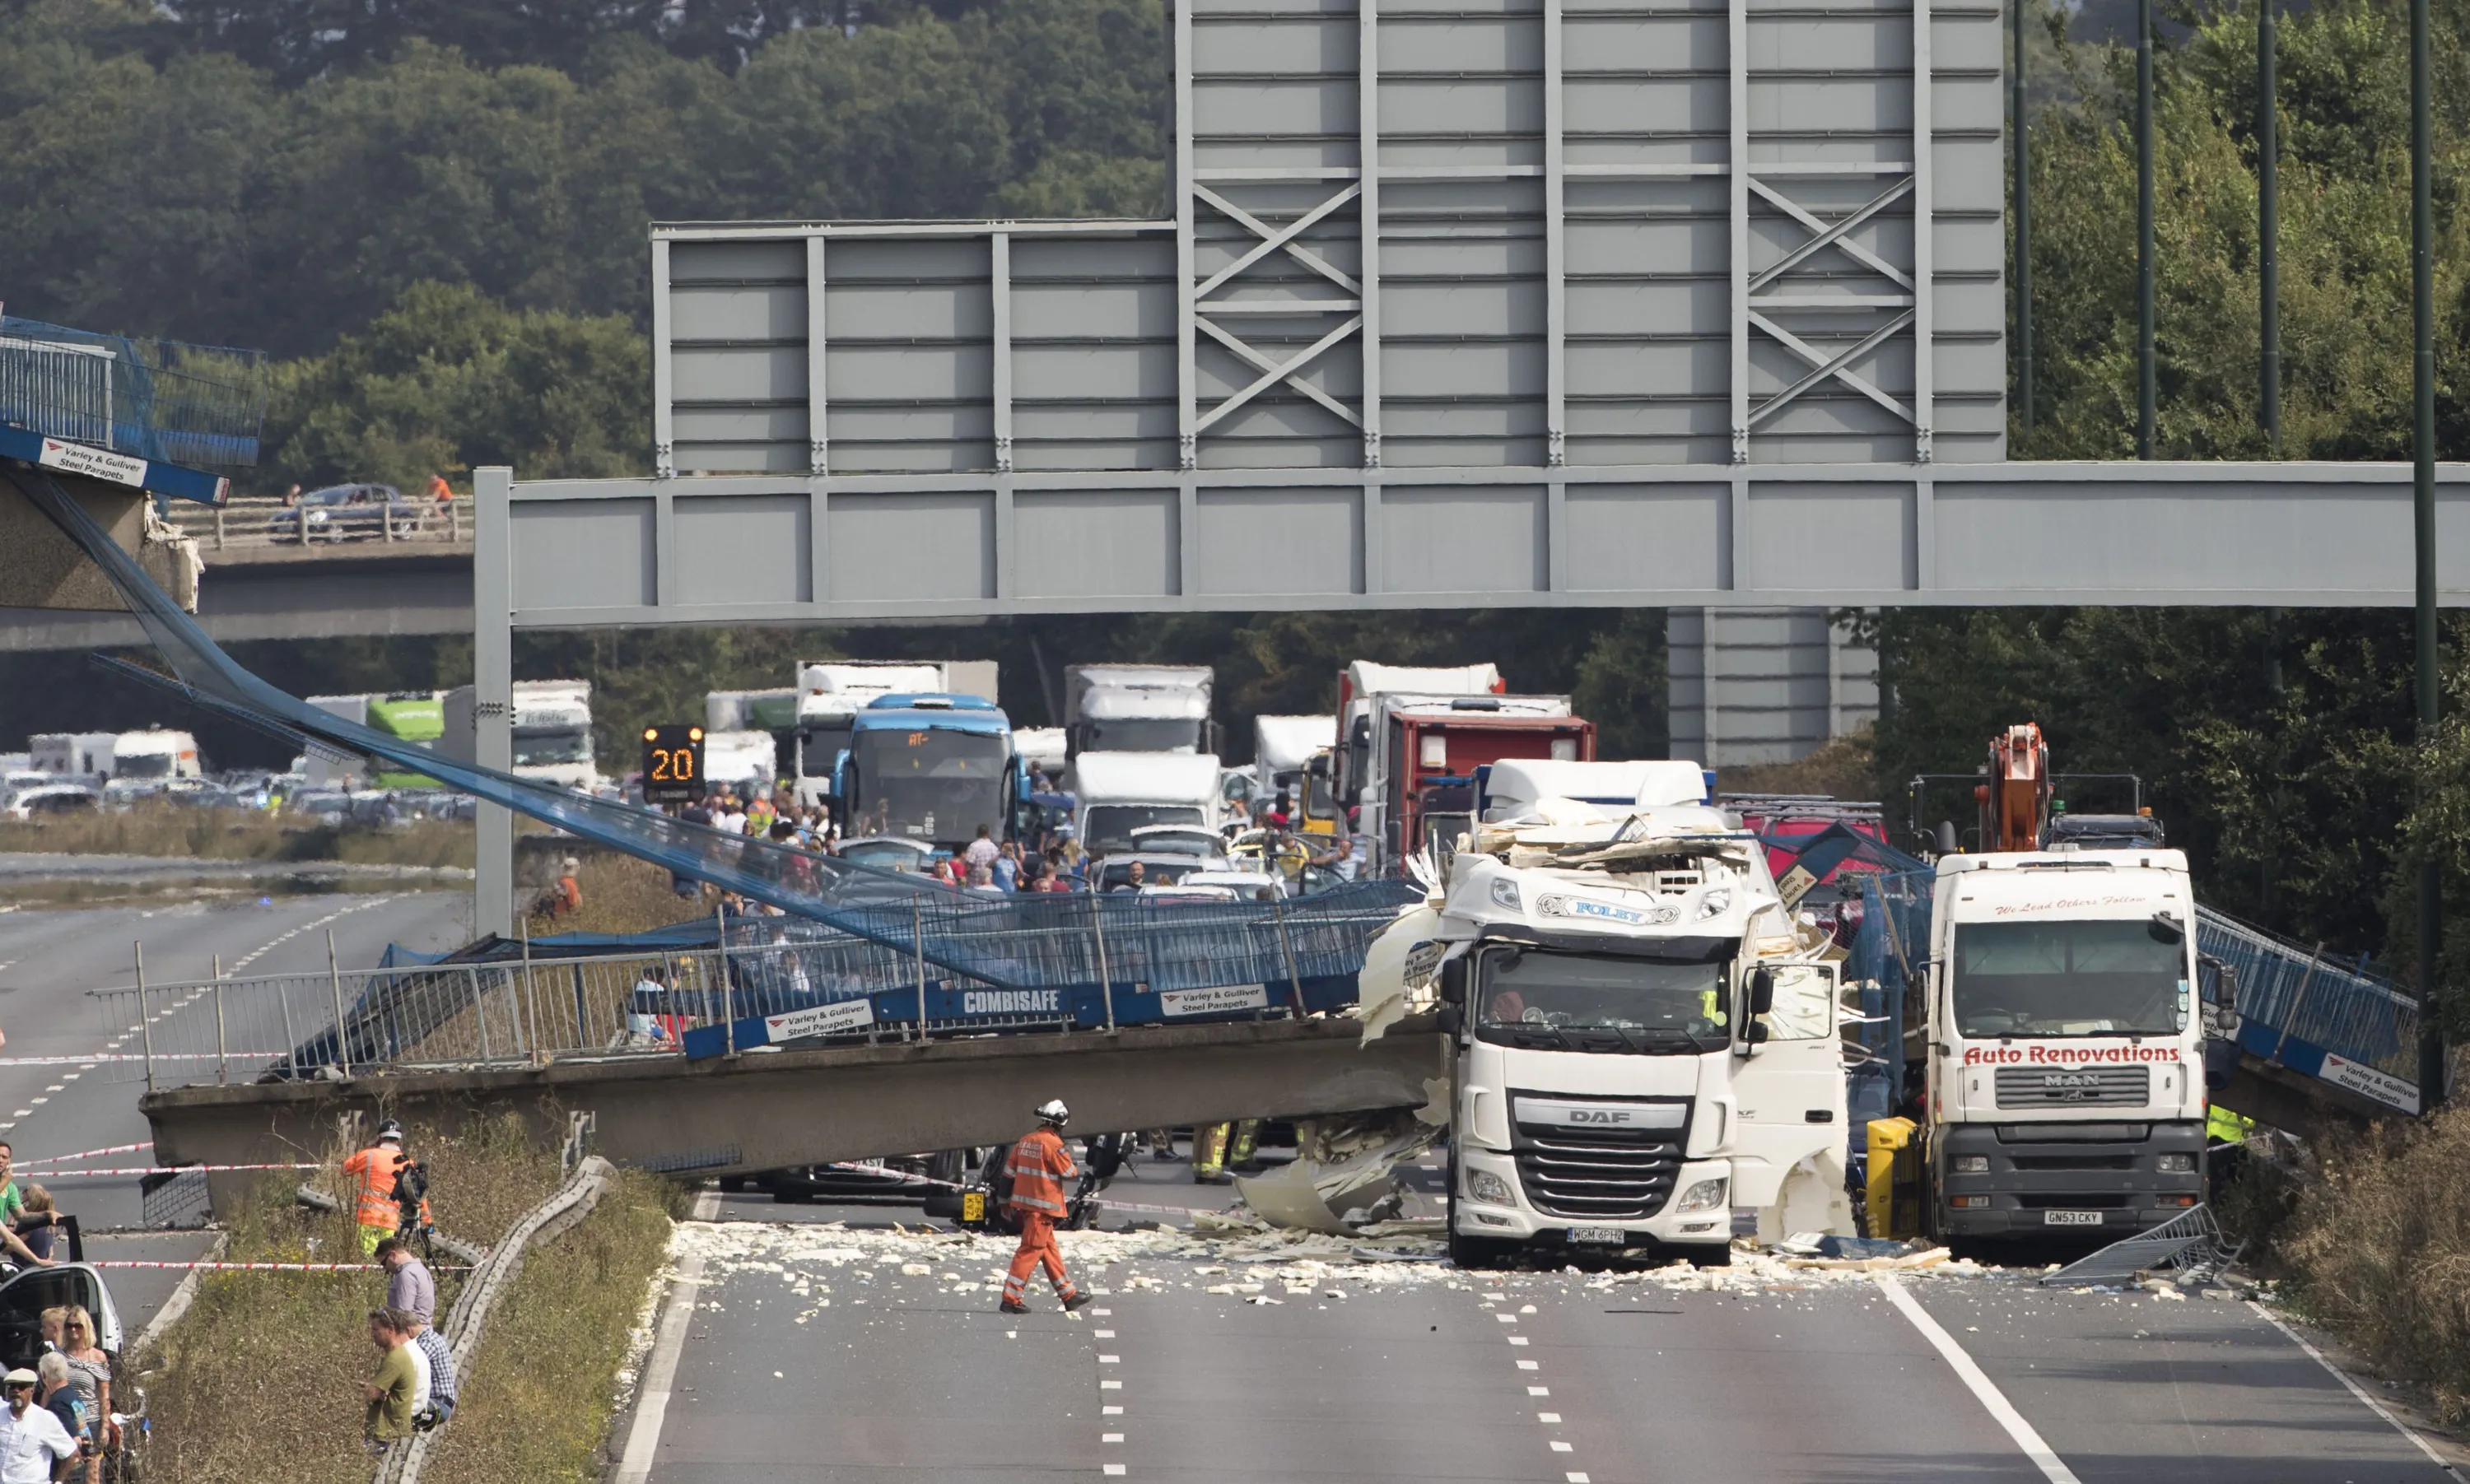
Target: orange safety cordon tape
{"points": [[153, 1170], [27, 1165], [264, 1267]]}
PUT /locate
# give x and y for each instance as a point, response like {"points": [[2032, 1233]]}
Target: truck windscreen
{"points": [[2089, 977], [1586, 1002], [143, 765], [1140, 734], [536, 748], [1108, 828], [929, 783]]}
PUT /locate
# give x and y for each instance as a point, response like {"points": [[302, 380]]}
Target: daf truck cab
{"points": [[1643, 1043], [930, 767], [2066, 1044]]}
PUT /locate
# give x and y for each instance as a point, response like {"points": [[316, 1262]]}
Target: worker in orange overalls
{"points": [[1038, 1168], [376, 1169]]}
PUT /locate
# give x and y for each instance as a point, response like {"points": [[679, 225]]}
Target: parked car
{"points": [[50, 799], [342, 510]]}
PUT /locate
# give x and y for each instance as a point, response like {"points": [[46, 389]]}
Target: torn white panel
{"points": [[1342, 1177], [1811, 1200], [1398, 968]]}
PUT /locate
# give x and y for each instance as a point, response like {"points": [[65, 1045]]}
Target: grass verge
{"points": [[166, 829], [261, 1378], [536, 1406], [2377, 1249], [622, 895]]}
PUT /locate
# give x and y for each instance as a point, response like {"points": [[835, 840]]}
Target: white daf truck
{"points": [[2066, 1044], [1643, 1043]]}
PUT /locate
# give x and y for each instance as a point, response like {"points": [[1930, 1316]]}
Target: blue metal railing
{"points": [[156, 400]]}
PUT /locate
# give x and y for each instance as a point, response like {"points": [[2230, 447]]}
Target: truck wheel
{"points": [[1475, 1254]]}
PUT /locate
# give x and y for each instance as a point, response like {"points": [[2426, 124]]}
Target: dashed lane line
{"points": [[1984, 1390], [1559, 1447], [241, 962]]}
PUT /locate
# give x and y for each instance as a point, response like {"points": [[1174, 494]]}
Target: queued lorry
{"points": [[2070, 1036], [552, 732], [1641, 1039], [151, 753], [415, 716], [1119, 792], [1283, 750], [1417, 795], [1138, 709], [829, 693]]}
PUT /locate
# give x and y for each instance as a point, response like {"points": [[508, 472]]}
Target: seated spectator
{"points": [[37, 1224], [645, 1007], [439, 1405]]}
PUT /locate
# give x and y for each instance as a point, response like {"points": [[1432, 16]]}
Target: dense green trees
{"points": [[193, 171]]}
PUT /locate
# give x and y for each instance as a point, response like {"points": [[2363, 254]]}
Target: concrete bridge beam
{"points": [[766, 1110]]}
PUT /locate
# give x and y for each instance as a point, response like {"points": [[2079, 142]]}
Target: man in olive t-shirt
{"points": [[392, 1395]]}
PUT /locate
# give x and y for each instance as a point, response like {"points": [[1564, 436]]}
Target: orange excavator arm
{"points": [[2015, 794]]}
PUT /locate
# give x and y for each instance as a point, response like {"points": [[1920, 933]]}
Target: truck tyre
{"points": [[1475, 1254]]}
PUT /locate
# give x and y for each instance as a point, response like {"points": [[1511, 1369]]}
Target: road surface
{"points": [[856, 1355], [48, 958]]}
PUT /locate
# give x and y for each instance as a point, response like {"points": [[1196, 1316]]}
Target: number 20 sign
{"points": [[672, 764]]}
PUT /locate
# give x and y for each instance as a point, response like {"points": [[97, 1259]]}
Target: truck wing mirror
{"points": [[1451, 1020], [1762, 994], [1454, 981], [2167, 929]]}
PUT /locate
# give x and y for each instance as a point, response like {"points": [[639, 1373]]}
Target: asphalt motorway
{"points": [[860, 1365], [50, 958]]}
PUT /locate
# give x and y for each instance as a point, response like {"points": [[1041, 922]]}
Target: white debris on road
{"points": [[811, 1261]]}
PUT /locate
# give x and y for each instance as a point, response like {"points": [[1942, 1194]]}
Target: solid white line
{"points": [[2373, 1405], [660, 1366], [1992, 1400]]}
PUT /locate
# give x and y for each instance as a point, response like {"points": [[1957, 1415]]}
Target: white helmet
{"points": [[1053, 1111]]}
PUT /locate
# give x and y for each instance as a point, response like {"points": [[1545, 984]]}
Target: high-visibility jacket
{"points": [[1038, 1167], [376, 1169]]}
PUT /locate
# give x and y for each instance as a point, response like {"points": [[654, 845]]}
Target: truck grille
{"points": [[1610, 1175], [2073, 1087]]}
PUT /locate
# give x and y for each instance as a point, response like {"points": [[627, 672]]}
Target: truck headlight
{"points": [[1705, 1195], [1504, 894], [1977, 1164], [2174, 1164], [1714, 903], [1491, 1189]]}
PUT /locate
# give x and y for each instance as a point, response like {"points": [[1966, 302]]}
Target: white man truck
{"points": [[2066, 1051], [553, 725], [832, 692], [1643, 1041], [1137, 709]]}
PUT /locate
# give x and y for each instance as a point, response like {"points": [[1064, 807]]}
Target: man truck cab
{"points": [[1643, 1044]]}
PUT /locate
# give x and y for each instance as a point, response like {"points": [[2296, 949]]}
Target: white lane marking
{"points": [[1112, 1411], [1101, 1334], [1110, 1359], [1110, 1437], [1539, 1391], [1992, 1400], [1530, 1365], [1112, 1469], [1560, 1447], [1111, 1385], [1575, 1478], [660, 1367], [1548, 1417], [2373, 1405], [1518, 1339], [1507, 1318]]}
